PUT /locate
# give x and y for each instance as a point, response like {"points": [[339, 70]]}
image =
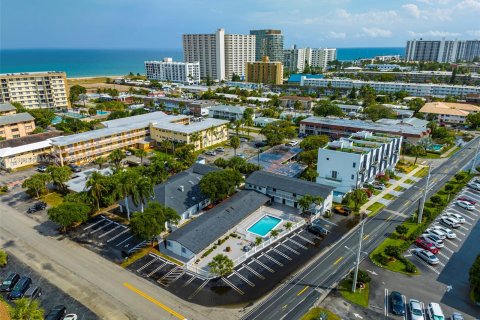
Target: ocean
{"points": [[98, 62]]}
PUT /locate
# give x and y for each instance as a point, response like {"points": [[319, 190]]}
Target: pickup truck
{"points": [[343, 210]]}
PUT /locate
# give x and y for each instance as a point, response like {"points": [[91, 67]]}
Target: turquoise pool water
{"points": [[56, 120], [101, 112], [436, 147], [74, 115], [263, 226]]}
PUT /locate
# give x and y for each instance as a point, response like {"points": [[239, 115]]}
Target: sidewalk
{"points": [[397, 183]]}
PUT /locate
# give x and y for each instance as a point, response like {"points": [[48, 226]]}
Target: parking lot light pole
{"points": [[424, 198], [475, 157], [355, 275]]}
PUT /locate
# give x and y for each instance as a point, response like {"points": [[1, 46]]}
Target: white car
{"points": [[474, 186], [465, 205], [449, 233], [70, 316], [415, 308], [450, 222], [436, 241], [437, 233], [455, 216]]}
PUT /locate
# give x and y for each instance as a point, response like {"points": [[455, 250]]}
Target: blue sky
{"points": [[160, 23]]}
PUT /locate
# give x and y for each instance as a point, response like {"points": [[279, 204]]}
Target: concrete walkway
{"points": [[401, 182], [449, 151]]}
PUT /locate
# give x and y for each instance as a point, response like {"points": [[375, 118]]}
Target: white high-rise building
{"points": [[296, 59], [169, 70], [320, 57], [442, 50], [219, 55]]}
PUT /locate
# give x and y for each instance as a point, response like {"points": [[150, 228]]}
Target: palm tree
{"points": [[235, 143], [26, 309], [141, 154], [194, 137], [100, 162], [143, 191], [96, 186], [127, 187], [288, 225], [116, 158]]}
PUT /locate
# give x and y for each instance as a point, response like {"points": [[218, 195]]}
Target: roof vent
{"points": [[181, 188]]}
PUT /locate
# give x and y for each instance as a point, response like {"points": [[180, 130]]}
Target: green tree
{"points": [[127, 186], [368, 95], [3, 258], [274, 233], [288, 225], [75, 92], [309, 157], [326, 108], [474, 278], [314, 142], [310, 174], [306, 202], [143, 191], [473, 120], [248, 116], [67, 214], [43, 117], [37, 183], [416, 104], [59, 176], [141, 154], [116, 157], [26, 309], [100, 161], [235, 143], [357, 197], [221, 265], [417, 151], [362, 277], [218, 185], [153, 220], [258, 241], [375, 112], [276, 133], [96, 187], [401, 230]]}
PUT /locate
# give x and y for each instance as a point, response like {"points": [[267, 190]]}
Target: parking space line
{"points": [[233, 286], [118, 244], [90, 226], [385, 305], [253, 271], [271, 259], [298, 244], [260, 263], [146, 265], [443, 255], [329, 222], [448, 249], [101, 227], [288, 248], [118, 235], [156, 269], [427, 265], [464, 228], [282, 254], [244, 279], [302, 237], [189, 281], [198, 289], [108, 232]]}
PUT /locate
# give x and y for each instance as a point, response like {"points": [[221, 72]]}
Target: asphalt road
{"points": [[293, 298]]}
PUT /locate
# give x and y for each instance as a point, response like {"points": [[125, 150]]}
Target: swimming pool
{"points": [[73, 115], [264, 225], [57, 120], [435, 147], [101, 112]]}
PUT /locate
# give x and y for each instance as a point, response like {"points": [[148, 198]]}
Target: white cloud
{"points": [[474, 33], [377, 32], [337, 35], [434, 33], [412, 9], [469, 4]]}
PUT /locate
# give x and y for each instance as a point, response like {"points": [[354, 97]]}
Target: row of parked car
{"points": [[16, 287], [415, 309]]}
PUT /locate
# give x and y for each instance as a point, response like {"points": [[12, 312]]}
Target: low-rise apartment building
{"points": [[230, 113], [264, 121], [307, 103], [449, 112], [348, 163], [7, 109], [169, 70], [414, 89], [337, 128], [16, 125], [35, 89]]}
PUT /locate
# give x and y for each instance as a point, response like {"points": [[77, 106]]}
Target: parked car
{"points": [[450, 222], [426, 245], [426, 256], [378, 186], [243, 140], [317, 230], [70, 316], [456, 316], [57, 313], [398, 306], [467, 200], [33, 292], [19, 289], [455, 216], [465, 205], [220, 149], [240, 155], [292, 143], [437, 242], [128, 153], [210, 153], [440, 234], [39, 206], [449, 233], [343, 210], [260, 144], [75, 168], [9, 282], [416, 310], [435, 312], [474, 186], [42, 168]]}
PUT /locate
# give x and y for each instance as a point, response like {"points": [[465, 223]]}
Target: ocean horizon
{"points": [[117, 62]]}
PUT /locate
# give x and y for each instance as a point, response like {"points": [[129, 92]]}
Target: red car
{"points": [[426, 245], [467, 200]]}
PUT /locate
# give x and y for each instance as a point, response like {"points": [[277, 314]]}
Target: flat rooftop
{"points": [[36, 73], [15, 118], [193, 126]]}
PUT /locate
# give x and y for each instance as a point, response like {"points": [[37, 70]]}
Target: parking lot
{"points": [[445, 283], [249, 280], [107, 237]]}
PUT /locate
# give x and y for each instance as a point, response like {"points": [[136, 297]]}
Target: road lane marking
{"points": [[302, 291], [337, 261], [389, 218], [154, 301], [366, 237]]}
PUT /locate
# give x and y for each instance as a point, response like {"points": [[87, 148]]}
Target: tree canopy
{"points": [[75, 92], [326, 108], [152, 221], [473, 120], [314, 142], [376, 112], [221, 265], [59, 175], [218, 185], [67, 214], [276, 133], [26, 309]]}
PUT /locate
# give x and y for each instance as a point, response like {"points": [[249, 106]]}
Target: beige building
{"points": [[7, 109], [264, 72], [35, 89], [290, 101], [16, 125], [140, 132], [449, 112]]}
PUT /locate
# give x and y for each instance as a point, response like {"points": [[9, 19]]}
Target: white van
{"points": [[292, 143], [435, 312]]}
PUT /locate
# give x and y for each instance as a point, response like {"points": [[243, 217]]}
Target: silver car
{"points": [[415, 308], [437, 233], [465, 205], [436, 241], [426, 256], [455, 216], [449, 233], [450, 222]]}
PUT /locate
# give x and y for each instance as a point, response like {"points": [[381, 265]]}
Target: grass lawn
{"points": [[314, 314], [375, 191], [389, 197], [421, 173], [143, 252], [406, 167], [431, 155], [360, 297], [397, 178], [388, 184], [409, 181], [72, 82], [53, 199], [452, 151], [400, 188], [375, 208]]}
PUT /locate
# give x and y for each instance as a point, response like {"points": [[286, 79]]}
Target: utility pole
{"points": [[475, 157], [420, 211], [360, 239]]}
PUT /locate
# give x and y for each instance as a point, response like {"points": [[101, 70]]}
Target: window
{"points": [[353, 176], [184, 250], [169, 243], [354, 164], [334, 174], [328, 158]]}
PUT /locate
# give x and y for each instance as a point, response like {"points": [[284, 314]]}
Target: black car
{"points": [[317, 230], [42, 168], [9, 282], [398, 306], [56, 313], [260, 144], [75, 168], [19, 289], [39, 206], [33, 292]]}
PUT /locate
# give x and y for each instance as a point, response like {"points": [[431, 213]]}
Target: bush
{"points": [[461, 176], [380, 258], [393, 251], [228, 249], [4, 188], [401, 229], [409, 266], [3, 258]]}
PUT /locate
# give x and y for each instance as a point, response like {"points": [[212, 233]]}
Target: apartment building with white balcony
{"points": [[295, 59], [239, 50], [35, 89], [227, 112], [174, 71], [414, 89], [320, 57], [348, 163]]}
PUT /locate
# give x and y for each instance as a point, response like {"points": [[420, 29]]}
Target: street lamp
{"points": [[420, 211], [359, 251]]}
